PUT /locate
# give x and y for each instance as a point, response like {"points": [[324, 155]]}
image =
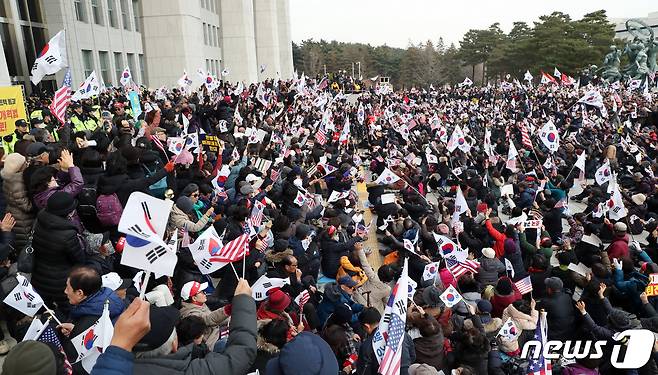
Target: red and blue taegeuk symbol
{"points": [[88, 340]]}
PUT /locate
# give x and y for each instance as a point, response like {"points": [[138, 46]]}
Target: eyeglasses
{"points": [[195, 195]]}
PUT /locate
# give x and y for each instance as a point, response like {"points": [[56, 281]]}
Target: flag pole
{"points": [[144, 285], [52, 314], [244, 264], [234, 271]]}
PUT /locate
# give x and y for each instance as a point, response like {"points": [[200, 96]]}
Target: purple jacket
{"points": [[577, 369], [73, 187]]}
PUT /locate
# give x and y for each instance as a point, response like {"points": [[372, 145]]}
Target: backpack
{"points": [[109, 209], [157, 189], [87, 201]]}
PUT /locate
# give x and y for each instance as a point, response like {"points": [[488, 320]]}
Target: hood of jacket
{"points": [[333, 292], [94, 304], [265, 346]]}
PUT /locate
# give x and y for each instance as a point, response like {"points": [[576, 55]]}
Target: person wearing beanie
{"points": [[490, 267], [619, 246], [306, 354], [504, 294], [183, 217], [560, 310], [18, 203], [58, 247], [31, 358], [193, 303]]}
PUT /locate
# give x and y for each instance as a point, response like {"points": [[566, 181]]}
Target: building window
{"points": [[131, 65], [97, 12], [80, 14], [205, 34], [210, 41], [142, 70], [34, 7], [137, 14], [125, 15], [208, 66], [104, 59], [10, 51], [217, 68], [118, 64], [87, 62], [216, 36], [111, 12]]}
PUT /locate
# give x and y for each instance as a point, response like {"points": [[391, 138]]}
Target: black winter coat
{"points": [[123, 185], [560, 317], [332, 251], [57, 249]]}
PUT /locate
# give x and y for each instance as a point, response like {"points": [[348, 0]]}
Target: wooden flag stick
{"points": [[234, 271]]}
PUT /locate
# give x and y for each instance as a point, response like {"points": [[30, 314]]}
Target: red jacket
{"points": [[619, 247], [499, 245]]}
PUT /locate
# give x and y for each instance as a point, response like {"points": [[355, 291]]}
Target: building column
{"points": [[285, 39], [238, 42], [267, 38], [5, 80]]}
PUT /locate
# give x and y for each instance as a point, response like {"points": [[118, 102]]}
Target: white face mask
{"points": [[298, 182]]}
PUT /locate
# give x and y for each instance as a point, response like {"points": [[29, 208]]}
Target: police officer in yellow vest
{"points": [[81, 120], [8, 141]]}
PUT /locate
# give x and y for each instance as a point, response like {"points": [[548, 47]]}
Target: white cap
{"points": [[112, 280], [191, 288]]}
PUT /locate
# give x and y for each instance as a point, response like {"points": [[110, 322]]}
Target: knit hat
{"points": [[14, 162], [306, 354], [432, 296], [422, 369], [280, 245], [185, 204], [554, 283], [347, 281], [61, 203], [639, 199], [504, 287], [619, 320], [489, 252], [620, 227], [163, 321], [484, 306], [30, 358], [246, 189], [302, 231]]}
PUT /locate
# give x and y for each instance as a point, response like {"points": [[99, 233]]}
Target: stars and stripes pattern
{"points": [[540, 366], [391, 362], [62, 99], [459, 269], [525, 136], [302, 298], [257, 213], [48, 336], [524, 285], [321, 136], [233, 251]]}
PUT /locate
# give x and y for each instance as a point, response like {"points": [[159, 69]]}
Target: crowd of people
{"points": [[65, 187]]}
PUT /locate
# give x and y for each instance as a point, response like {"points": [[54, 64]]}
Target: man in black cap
{"points": [[8, 141], [37, 156]]}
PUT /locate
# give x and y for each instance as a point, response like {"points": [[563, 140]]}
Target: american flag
{"points": [[257, 214], [232, 251], [50, 337], [62, 98], [362, 230], [540, 366], [524, 286], [302, 298], [458, 268], [525, 136], [274, 174], [391, 362], [321, 136]]}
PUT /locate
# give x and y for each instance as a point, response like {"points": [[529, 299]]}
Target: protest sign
{"points": [[12, 108]]}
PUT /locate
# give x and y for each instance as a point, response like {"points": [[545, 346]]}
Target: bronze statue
{"points": [[642, 52]]}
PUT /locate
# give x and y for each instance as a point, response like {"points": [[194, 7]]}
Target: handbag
{"points": [[26, 256]]}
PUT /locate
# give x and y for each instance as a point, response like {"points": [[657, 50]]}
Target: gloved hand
{"points": [[169, 167]]}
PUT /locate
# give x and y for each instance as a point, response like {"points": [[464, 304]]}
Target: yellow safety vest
{"points": [[9, 146], [38, 114], [79, 125]]}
